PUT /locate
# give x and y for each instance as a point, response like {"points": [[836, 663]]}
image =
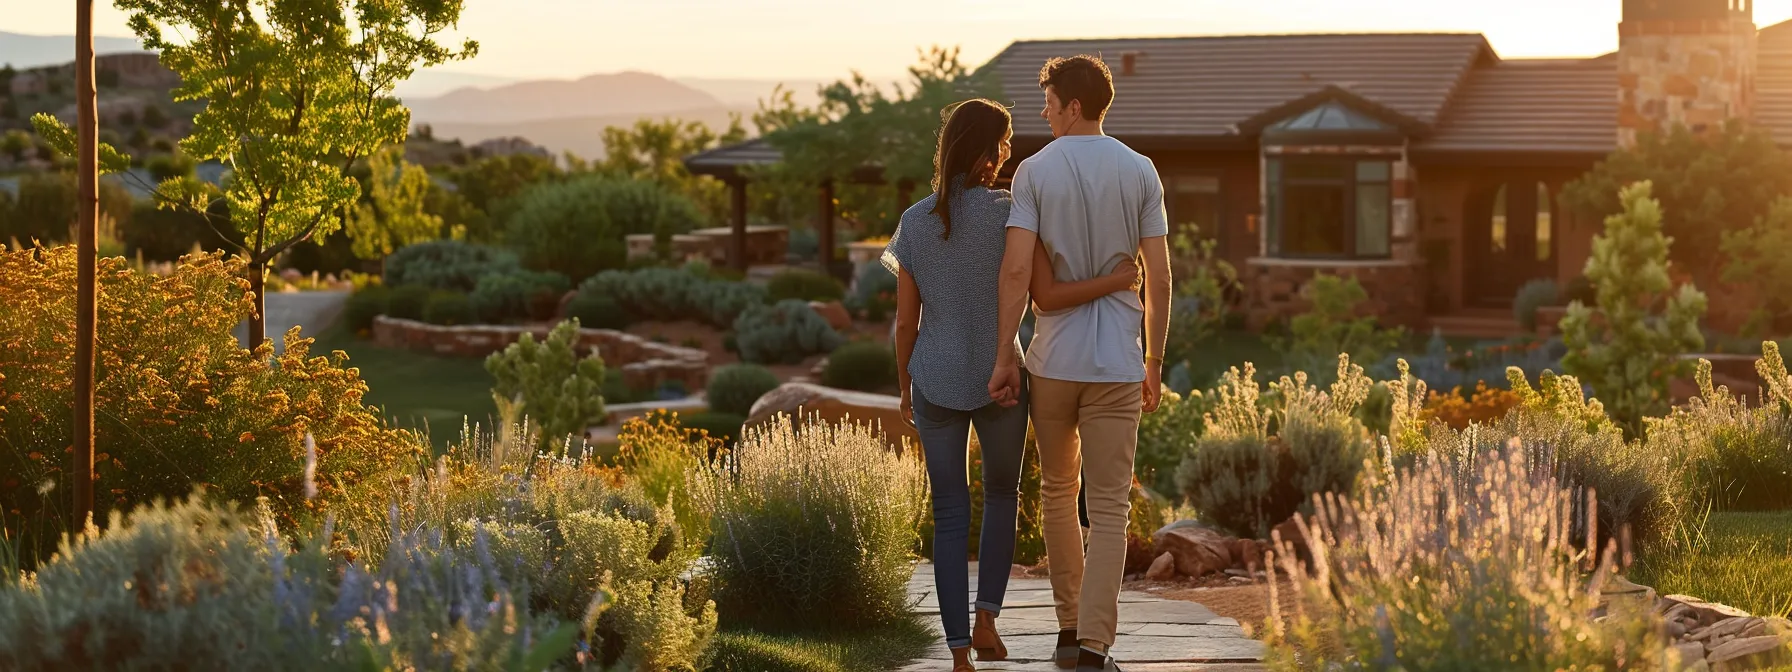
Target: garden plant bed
{"points": [[644, 363]]}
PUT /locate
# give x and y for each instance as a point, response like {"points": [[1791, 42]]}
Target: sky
{"points": [[814, 39]]}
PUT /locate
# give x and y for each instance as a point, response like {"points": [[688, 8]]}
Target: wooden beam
{"points": [[737, 243], [824, 225], [87, 130]]}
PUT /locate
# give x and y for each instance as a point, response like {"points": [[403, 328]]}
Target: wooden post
{"points": [[824, 226], [737, 243], [87, 251]]}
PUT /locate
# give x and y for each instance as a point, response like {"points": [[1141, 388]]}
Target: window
{"points": [[1194, 200], [1544, 249], [1331, 207]]}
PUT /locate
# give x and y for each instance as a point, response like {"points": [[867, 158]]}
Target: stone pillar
{"points": [[1691, 64]]}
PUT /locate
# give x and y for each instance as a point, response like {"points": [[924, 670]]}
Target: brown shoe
{"points": [[985, 640], [961, 660]]}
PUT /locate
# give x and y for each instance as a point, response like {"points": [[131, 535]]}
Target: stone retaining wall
{"points": [[644, 363]]}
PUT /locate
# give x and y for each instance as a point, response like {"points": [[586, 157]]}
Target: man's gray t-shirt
{"points": [[1091, 199]]}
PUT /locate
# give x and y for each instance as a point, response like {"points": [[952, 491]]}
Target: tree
{"points": [[1706, 184], [1624, 348], [295, 92], [1202, 281], [154, 117], [393, 215], [655, 150], [15, 143], [1761, 256]]}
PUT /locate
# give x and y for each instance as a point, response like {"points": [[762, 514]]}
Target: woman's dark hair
{"points": [[971, 138]]}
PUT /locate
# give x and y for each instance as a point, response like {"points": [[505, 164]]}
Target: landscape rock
{"points": [[1288, 532], [1198, 551], [1163, 568], [565, 300], [805, 400], [1750, 653], [1690, 651], [1706, 613], [1722, 629], [834, 313]]}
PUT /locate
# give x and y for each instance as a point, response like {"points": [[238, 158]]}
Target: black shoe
{"points": [[1090, 661], [1068, 648]]}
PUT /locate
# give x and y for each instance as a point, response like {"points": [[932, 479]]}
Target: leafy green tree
{"points": [[1202, 279], [45, 208], [170, 166], [1707, 183], [1761, 257], [295, 92], [1627, 347], [579, 227], [394, 214], [490, 183], [655, 150]]}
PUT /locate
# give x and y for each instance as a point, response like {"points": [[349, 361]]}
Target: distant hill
{"points": [[582, 135], [748, 92], [30, 51], [625, 93], [425, 83]]}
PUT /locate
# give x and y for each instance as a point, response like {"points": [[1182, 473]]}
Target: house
{"points": [[1424, 165]]}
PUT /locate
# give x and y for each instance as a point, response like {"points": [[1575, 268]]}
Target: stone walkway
{"points": [[1156, 635]]}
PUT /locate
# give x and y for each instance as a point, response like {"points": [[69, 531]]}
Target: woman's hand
{"points": [[908, 408], [1129, 270]]}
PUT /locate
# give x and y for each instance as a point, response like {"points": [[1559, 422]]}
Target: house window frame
{"points": [[1275, 202], [1215, 230]]}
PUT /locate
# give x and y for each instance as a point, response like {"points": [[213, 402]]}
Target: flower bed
{"points": [[644, 364]]}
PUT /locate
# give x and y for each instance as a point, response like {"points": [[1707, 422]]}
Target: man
{"points": [[1094, 203]]}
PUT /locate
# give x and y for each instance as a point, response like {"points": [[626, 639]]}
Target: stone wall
{"points": [[1696, 72], [644, 363], [1396, 289]]}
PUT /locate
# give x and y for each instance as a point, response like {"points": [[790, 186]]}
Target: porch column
{"points": [[824, 228], [737, 243]]}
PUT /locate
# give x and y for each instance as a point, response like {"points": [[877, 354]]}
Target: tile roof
{"points": [[1202, 86], [1525, 105]]}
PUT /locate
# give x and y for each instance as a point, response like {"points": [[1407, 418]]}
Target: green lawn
{"points": [[880, 649], [1740, 559], [416, 389]]}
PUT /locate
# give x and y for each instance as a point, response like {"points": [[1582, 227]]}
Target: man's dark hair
{"points": [[1083, 78]]}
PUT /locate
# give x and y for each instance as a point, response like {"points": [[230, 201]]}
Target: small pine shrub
{"points": [[517, 296], [446, 265], [794, 550], [1458, 569], [1533, 295], [863, 366], [805, 285], [448, 308], [364, 305], [596, 311], [407, 302], [783, 333], [549, 384], [734, 388]]}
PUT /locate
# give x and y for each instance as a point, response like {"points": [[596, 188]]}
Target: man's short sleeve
{"points": [[1025, 212], [1153, 221]]}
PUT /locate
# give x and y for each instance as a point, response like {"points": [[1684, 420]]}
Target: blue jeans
{"points": [[945, 439]]}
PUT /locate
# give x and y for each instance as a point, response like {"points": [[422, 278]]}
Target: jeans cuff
{"points": [[957, 642], [994, 608]]}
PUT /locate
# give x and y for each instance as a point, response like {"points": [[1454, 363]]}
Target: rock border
{"points": [[645, 364]]}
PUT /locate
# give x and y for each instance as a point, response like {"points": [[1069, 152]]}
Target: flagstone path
{"points": [[1156, 635]]}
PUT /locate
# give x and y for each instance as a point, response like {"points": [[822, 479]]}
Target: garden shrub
{"points": [[1534, 294], [734, 388], [1262, 460], [167, 234], [1334, 325], [873, 293], [365, 304], [689, 293], [448, 308], [721, 426], [596, 311], [863, 366], [406, 302], [1443, 367], [1739, 456], [579, 227], [658, 453], [719, 302], [549, 384], [1452, 569], [783, 333], [178, 401], [807, 285], [518, 296], [1166, 437], [814, 528], [446, 264], [1486, 406], [1630, 352]]}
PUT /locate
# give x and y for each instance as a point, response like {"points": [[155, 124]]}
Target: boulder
{"points": [[834, 313], [805, 400], [1163, 568], [1288, 532], [1198, 550], [1704, 613], [1724, 629], [1749, 653]]}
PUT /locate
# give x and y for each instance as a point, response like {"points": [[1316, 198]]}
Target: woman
{"points": [[947, 255]]}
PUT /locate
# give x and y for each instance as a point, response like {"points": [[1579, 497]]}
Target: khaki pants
{"points": [[1092, 430]]}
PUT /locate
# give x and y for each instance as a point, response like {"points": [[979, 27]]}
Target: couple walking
{"points": [[967, 257]]}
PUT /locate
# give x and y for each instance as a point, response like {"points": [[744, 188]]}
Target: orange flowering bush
{"points": [[1458, 411], [178, 402]]}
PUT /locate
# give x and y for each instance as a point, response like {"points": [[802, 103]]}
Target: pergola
{"points": [[727, 163]]}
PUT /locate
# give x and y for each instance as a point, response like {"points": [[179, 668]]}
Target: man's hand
{"points": [[1154, 387], [1004, 384]]}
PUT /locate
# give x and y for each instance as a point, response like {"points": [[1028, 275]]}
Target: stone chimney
{"points": [[1684, 62]]}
